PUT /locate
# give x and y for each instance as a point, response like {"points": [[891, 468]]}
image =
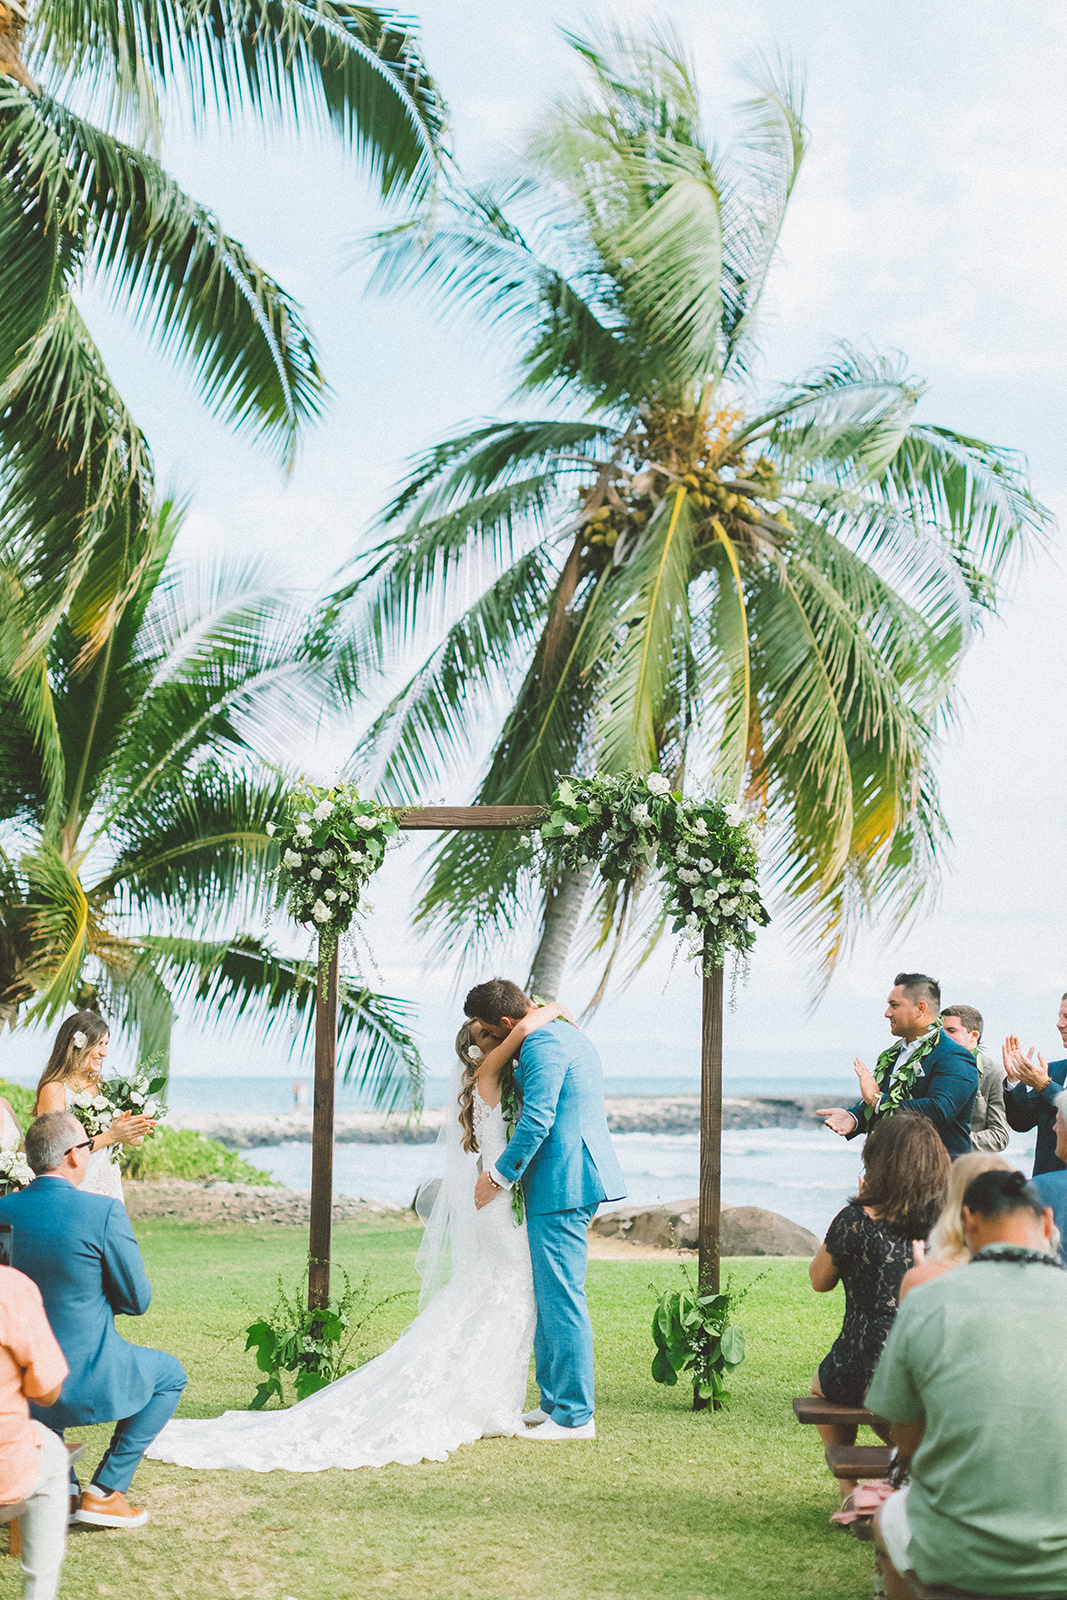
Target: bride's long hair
{"points": [[68, 1058], [471, 1065]]}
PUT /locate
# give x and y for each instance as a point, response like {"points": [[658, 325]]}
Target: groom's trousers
{"points": [[563, 1342]]}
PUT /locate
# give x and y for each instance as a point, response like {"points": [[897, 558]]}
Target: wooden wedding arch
{"points": [[445, 818]]}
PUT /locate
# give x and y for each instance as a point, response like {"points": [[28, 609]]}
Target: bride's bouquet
{"points": [[15, 1172]]}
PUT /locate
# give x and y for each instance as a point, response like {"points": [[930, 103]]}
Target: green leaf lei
{"points": [[511, 1110], [904, 1081]]}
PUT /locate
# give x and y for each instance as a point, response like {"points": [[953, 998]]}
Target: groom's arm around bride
{"points": [[561, 1152]]}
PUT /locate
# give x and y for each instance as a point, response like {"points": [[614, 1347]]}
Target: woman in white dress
{"points": [[74, 1066], [10, 1132], [459, 1371]]}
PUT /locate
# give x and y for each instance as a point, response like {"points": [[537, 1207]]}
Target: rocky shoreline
{"points": [[626, 1114]]}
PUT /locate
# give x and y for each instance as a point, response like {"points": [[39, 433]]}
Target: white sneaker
{"points": [[531, 1418], [551, 1433]]}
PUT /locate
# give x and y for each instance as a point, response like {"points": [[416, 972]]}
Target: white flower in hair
{"points": [[79, 1040], [474, 1053]]}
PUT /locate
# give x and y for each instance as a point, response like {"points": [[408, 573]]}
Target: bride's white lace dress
{"points": [[456, 1374]]}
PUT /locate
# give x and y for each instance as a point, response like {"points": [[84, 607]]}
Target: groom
{"points": [[562, 1154]]}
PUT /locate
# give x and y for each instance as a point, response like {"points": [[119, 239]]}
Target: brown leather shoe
{"points": [[109, 1511]]}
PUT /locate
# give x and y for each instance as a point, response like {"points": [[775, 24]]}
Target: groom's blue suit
{"points": [[562, 1153]]}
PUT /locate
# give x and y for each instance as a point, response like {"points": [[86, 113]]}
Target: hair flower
{"points": [[79, 1040]]}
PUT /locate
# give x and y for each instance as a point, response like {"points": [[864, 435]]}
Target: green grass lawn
{"points": [[727, 1506]]}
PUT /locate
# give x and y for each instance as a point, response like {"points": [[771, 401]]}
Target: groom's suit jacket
{"points": [[561, 1148], [80, 1251]]}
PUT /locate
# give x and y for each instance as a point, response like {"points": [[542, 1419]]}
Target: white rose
{"points": [[728, 907], [326, 858], [640, 816], [700, 827], [656, 783], [271, 830], [99, 1103], [344, 897], [290, 859], [524, 840], [84, 1100], [329, 895], [705, 865], [474, 1053], [321, 912], [322, 810], [137, 1099], [571, 830], [735, 815], [367, 822], [748, 886], [78, 1040], [151, 1109], [302, 831], [687, 875], [316, 873]]}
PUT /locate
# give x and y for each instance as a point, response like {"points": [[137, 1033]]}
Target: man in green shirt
{"points": [[973, 1379]]}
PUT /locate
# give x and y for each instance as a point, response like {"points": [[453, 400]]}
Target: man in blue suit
{"points": [[80, 1251], [562, 1154], [1030, 1095], [926, 1071]]}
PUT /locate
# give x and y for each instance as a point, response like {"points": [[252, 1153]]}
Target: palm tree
{"points": [[77, 202], [133, 800], [768, 595]]}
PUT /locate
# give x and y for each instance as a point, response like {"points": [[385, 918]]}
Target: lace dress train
{"points": [[456, 1374]]}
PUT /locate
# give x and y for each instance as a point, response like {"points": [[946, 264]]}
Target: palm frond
{"points": [[245, 978]]}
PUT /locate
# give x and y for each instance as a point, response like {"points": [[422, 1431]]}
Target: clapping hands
{"points": [[1023, 1068]]}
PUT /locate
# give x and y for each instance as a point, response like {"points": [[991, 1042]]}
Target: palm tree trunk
{"points": [[557, 932]]}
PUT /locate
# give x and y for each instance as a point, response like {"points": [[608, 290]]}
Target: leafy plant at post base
{"points": [[693, 1334], [311, 1345]]}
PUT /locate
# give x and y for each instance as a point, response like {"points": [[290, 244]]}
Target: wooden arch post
{"points": [[442, 818]]}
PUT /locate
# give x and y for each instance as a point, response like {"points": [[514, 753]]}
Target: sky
{"points": [[930, 218]]}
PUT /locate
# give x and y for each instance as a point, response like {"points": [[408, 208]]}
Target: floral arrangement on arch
{"points": [[331, 843], [706, 851]]}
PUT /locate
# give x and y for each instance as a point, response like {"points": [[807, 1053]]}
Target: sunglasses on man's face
{"points": [[86, 1144]]}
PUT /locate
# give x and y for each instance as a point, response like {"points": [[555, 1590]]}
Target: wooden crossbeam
{"points": [[467, 817]]}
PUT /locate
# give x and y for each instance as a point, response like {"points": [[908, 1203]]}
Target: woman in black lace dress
{"points": [[869, 1246]]}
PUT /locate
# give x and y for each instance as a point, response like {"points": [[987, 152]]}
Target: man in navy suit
{"points": [[1030, 1095], [925, 1072], [80, 1251]]}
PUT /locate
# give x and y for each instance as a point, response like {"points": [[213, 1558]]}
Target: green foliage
{"points": [[311, 1345], [184, 1153], [693, 1334], [331, 844], [19, 1099]]}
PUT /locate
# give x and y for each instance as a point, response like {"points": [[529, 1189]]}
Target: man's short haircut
{"points": [[49, 1138], [999, 1194], [917, 986], [497, 998], [971, 1019]]}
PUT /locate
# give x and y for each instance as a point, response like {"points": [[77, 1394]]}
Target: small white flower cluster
{"points": [[331, 844], [15, 1171]]}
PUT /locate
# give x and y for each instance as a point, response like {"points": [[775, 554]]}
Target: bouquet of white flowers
{"points": [[136, 1096], [93, 1111], [15, 1172]]}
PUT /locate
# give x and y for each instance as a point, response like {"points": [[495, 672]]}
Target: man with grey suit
{"points": [[989, 1119], [561, 1153]]}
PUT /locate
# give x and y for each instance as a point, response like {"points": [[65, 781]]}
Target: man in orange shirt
{"points": [[34, 1465]]}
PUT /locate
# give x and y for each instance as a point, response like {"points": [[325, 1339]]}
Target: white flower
{"points": [[316, 873], [705, 865], [687, 875], [656, 783], [321, 912], [692, 920], [571, 830], [344, 897], [290, 859], [329, 895], [322, 810], [728, 907], [614, 835], [79, 1040], [107, 1117], [735, 815], [302, 831], [151, 1109], [326, 858], [700, 828], [135, 1099], [84, 1100], [99, 1103], [474, 1053], [640, 816], [271, 830], [524, 840], [367, 822], [748, 886]]}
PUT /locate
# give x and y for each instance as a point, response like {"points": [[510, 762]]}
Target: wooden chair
{"points": [[10, 1514]]}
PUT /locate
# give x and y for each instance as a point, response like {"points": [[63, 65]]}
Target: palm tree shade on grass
{"points": [[769, 595], [133, 799], [80, 203]]}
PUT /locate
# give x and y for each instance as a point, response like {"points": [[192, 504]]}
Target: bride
{"points": [[459, 1371]]}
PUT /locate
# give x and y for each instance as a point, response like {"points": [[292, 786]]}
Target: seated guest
{"points": [[926, 1071], [1052, 1186], [869, 1246], [80, 1251], [1030, 1095], [989, 1124], [973, 1379], [33, 1462], [946, 1247]]}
